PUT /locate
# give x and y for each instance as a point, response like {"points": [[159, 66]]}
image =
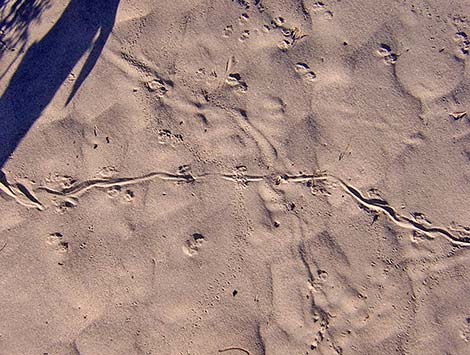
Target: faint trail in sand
{"points": [[233, 349], [400, 220], [82, 187], [27, 198], [20, 194]]}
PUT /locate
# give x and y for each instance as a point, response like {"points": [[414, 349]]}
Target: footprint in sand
{"points": [[304, 71], [463, 44], [386, 53], [116, 192], [194, 244], [235, 81], [56, 243], [228, 30], [465, 330], [157, 86], [244, 36]]}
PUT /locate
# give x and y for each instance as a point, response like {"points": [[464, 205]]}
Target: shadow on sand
{"points": [[82, 29]]}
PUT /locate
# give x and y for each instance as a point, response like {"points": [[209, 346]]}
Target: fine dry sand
{"points": [[246, 177]]}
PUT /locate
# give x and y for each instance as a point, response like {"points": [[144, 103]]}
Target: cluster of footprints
{"points": [[465, 330], [290, 34], [463, 43], [126, 195], [318, 183], [116, 188]]}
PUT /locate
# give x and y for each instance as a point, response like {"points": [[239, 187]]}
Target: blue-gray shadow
{"points": [[82, 30]]}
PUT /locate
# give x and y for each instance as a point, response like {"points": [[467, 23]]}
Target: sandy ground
{"points": [[246, 177]]}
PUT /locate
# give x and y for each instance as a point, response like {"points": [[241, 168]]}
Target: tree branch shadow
{"points": [[82, 29], [16, 16]]}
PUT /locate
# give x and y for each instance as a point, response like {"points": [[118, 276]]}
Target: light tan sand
{"points": [[247, 177]]}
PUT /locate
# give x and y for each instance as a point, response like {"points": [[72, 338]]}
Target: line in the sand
{"points": [[376, 205]]}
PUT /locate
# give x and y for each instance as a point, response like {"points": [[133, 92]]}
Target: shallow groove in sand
{"points": [[28, 199]]}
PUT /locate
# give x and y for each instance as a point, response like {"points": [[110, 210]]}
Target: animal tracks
{"points": [[287, 35], [117, 192], [81, 187], [194, 244], [56, 242], [234, 80], [319, 183], [20, 194], [228, 30], [304, 71], [386, 53], [463, 42], [465, 330], [157, 86], [165, 136]]}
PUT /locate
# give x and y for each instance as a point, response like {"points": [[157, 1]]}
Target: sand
{"points": [[235, 177]]}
